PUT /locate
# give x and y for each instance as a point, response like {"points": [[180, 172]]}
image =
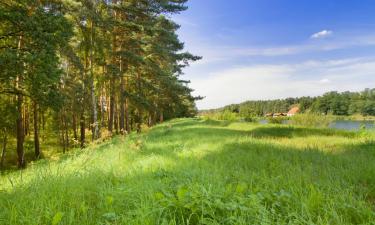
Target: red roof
{"points": [[294, 110]]}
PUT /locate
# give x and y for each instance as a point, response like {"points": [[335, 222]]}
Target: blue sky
{"points": [[269, 49]]}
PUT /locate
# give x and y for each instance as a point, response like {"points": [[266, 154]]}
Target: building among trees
{"points": [[293, 111]]}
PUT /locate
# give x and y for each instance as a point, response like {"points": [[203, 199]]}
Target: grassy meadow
{"points": [[197, 171]]}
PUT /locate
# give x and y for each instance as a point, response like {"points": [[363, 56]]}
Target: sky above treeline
{"points": [[270, 49]]}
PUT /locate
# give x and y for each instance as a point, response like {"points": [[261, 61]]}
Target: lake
{"points": [[341, 124], [352, 125]]}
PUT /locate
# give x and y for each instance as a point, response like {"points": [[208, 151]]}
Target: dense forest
{"points": [[74, 71], [334, 103]]}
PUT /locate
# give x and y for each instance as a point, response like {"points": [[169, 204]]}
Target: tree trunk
{"points": [[27, 123], [127, 119], [111, 107], [116, 119], [61, 132], [26, 119], [5, 139], [40, 121], [149, 120], [108, 102], [66, 138], [139, 121], [74, 126], [83, 130], [161, 117], [112, 80], [139, 110], [19, 121], [43, 121], [20, 132], [122, 100], [154, 117], [36, 132], [95, 129]]}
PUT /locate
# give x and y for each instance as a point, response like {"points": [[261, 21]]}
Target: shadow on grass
{"points": [[190, 134]]}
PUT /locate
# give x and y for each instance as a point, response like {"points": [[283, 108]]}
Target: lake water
{"points": [[342, 124], [352, 125]]}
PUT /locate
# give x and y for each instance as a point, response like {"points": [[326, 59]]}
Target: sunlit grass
{"points": [[192, 171]]}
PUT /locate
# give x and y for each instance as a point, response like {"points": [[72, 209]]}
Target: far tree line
{"points": [[76, 68], [333, 103]]}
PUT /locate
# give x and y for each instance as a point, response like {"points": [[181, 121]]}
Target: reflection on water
{"points": [[263, 121], [352, 125], [341, 124]]}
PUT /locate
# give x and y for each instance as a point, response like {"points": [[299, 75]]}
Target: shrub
{"points": [[222, 115], [249, 118], [228, 115]]}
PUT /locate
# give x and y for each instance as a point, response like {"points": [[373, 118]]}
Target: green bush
{"points": [[250, 119], [222, 115], [228, 115]]}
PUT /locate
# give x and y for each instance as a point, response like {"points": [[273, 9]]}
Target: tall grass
{"points": [[277, 120], [311, 120], [194, 171], [222, 115]]}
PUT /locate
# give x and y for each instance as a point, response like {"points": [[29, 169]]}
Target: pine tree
{"points": [[78, 65], [38, 31]]}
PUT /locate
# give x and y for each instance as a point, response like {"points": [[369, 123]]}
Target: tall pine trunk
{"points": [[139, 110], [112, 79], [26, 119], [161, 118], [116, 119], [36, 131], [95, 128], [122, 99], [66, 130], [19, 121], [127, 119], [122, 112], [83, 129], [20, 130], [111, 106], [149, 120], [74, 127], [126, 108], [61, 131], [43, 121], [3, 151]]}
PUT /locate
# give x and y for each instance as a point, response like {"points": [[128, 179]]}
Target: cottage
{"points": [[277, 115], [293, 111], [269, 114]]}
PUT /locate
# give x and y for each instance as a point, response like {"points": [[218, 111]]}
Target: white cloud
{"points": [[220, 78], [281, 81], [322, 34], [325, 81], [216, 53]]}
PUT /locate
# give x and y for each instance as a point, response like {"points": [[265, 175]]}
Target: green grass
{"points": [[193, 171]]}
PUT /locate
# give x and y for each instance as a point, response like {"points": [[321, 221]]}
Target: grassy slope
{"points": [[209, 172]]}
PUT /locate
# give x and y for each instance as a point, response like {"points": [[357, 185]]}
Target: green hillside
{"points": [[193, 171]]}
